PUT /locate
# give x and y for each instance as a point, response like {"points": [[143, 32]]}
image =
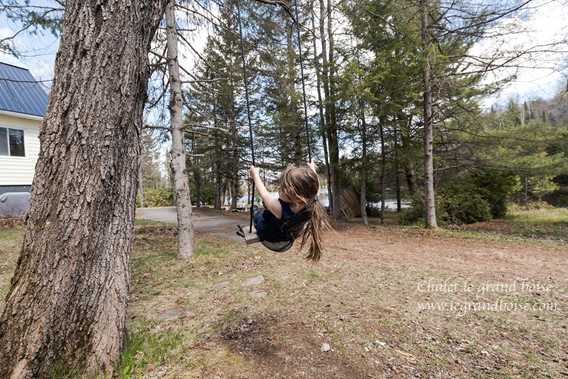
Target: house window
{"points": [[12, 142], [4, 142]]}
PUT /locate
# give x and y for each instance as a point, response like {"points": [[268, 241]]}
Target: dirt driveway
{"points": [[205, 220]]}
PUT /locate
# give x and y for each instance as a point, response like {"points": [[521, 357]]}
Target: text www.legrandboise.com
{"points": [[462, 308]]}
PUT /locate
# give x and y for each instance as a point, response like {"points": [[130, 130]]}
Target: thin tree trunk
{"points": [[409, 168], [218, 179], [364, 167], [332, 124], [181, 181], [293, 108], [328, 103], [235, 144], [383, 166], [224, 193], [197, 178], [66, 306], [217, 161], [411, 177], [525, 190], [235, 192], [141, 183], [323, 127], [397, 171], [430, 196]]}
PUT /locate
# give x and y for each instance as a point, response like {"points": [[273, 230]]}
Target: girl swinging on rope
{"points": [[296, 213]]}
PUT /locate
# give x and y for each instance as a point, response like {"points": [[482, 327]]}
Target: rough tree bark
{"points": [[66, 307], [181, 181], [429, 193]]}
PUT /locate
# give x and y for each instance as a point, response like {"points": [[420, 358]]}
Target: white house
{"points": [[23, 103]]}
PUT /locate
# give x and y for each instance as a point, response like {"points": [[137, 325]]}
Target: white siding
{"points": [[20, 170]]}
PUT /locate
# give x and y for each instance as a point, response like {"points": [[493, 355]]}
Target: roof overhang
{"points": [[21, 115]]}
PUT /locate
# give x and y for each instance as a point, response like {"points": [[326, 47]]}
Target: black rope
{"points": [[245, 81], [251, 135], [297, 22]]}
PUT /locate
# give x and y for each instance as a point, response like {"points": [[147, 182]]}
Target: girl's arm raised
{"points": [[272, 204]]}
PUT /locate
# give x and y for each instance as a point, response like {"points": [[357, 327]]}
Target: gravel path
{"points": [[204, 220]]}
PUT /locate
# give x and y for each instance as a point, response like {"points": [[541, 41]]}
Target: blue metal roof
{"points": [[19, 92]]}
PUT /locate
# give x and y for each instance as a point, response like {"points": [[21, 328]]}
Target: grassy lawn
{"points": [[386, 301], [542, 223]]}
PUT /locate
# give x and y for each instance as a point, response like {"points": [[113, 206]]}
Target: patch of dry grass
{"points": [[10, 243]]}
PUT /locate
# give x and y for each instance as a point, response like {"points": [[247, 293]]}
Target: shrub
{"points": [[415, 213], [474, 197], [495, 187], [463, 205], [157, 197], [557, 198]]}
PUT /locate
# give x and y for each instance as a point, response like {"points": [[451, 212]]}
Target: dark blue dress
{"points": [[271, 229]]}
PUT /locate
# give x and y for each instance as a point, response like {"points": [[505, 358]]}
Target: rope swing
{"points": [[251, 133], [295, 19]]}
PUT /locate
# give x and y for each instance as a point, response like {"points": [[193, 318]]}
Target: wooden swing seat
{"points": [[250, 238]]}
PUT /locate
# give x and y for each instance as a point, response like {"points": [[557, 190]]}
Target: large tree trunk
{"points": [[429, 193], [66, 307], [323, 127], [181, 181]]}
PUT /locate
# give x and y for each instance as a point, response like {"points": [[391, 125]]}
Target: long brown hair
{"points": [[301, 184]]}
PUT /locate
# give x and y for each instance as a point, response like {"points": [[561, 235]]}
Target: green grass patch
{"points": [[207, 248], [147, 345], [539, 216], [540, 224], [143, 222], [152, 260], [11, 234], [312, 275]]}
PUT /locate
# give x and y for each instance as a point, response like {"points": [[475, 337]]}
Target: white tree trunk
{"points": [[181, 182]]}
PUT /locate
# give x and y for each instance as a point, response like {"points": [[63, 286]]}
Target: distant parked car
{"points": [[14, 204]]}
